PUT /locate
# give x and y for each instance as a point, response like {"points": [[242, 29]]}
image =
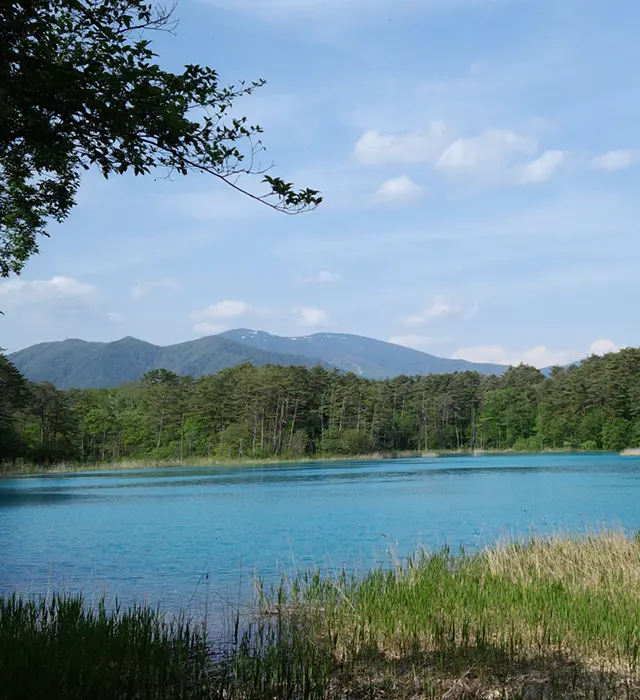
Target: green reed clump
{"points": [[563, 609], [59, 647], [578, 594]]}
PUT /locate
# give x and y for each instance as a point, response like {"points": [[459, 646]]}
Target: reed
{"points": [[553, 617]]}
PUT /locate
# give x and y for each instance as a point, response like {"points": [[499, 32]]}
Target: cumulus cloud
{"points": [[215, 318], [311, 316], [620, 159], [500, 154], [489, 152], [377, 148], [322, 277], [222, 315], [541, 169], [603, 346], [539, 356], [441, 308], [398, 190], [222, 309], [139, 291], [58, 289]]}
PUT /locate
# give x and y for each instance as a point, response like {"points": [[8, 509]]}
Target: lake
{"points": [[183, 537]]}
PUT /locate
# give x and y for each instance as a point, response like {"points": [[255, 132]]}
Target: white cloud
{"points": [[616, 160], [322, 277], [222, 315], [376, 148], [489, 152], [539, 356], [541, 169], [311, 316], [114, 317], [398, 190], [17, 292], [139, 291], [603, 346], [493, 152], [440, 309], [222, 309]]}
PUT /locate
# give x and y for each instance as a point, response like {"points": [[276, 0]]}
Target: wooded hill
{"points": [[78, 364], [274, 411]]}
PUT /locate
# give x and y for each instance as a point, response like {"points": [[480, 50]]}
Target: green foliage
{"points": [[80, 87], [14, 395], [273, 411], [615, 434], [61, 648]]}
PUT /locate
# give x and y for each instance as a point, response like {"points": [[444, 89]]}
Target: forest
{"points": [[249, 412]]}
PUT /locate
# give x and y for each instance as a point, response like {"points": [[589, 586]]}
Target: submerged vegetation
{"points": [[274, 412], [555, 617]]}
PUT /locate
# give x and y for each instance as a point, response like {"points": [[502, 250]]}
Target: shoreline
{"points": [[202, 462], [536, 621]]}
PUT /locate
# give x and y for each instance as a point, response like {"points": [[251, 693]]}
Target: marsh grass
{"points": [[555, 617], [27, 468], [61, 648]]}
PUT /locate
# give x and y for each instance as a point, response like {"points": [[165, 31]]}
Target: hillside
{"points": [[84, 365], [374, 359], [81, 364]]}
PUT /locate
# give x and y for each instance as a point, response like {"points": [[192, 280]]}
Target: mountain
{"points": [[370, 358], [79, 364]]}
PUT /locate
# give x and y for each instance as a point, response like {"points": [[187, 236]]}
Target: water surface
{"points": [[179, 537]]}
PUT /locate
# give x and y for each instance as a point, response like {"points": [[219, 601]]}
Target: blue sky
{"points": [[480, 163]]}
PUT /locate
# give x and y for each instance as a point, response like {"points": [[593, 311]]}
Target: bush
{"points": [[589, 446]]}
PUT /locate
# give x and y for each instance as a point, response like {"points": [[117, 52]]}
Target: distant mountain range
{"points": [[80, 364], [366, 357]]}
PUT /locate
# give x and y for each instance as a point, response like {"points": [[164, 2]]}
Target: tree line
{"points": [[276, 412]]}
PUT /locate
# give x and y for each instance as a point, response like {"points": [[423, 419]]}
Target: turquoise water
{"points": [[185, 537]]}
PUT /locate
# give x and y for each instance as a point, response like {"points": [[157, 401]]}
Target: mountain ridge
{"points": [[81, 364], [368, 357], [77, 363]]}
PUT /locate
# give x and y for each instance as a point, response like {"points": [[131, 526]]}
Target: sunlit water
{"points": [[181, 537]]}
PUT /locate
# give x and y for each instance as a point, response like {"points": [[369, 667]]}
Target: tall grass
{"points": [[556, 617], [562, 613], [60, 648]]}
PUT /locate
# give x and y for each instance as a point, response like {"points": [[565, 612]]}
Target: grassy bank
{"points": [[552, 618], [63, 467]]}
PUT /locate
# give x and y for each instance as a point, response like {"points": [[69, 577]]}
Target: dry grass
{"points": [[195, 462], [600, 561]]}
